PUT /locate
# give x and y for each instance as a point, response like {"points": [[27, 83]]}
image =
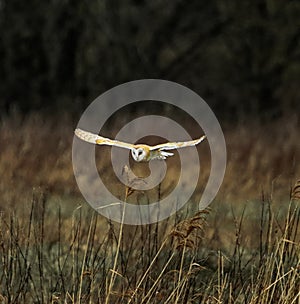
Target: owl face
{"points": [[139, 154]]}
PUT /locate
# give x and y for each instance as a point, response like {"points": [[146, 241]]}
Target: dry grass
{"points": [[95, 262], [55, 249], [36, 152]]}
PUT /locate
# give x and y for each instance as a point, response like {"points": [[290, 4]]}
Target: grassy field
{"points": [[55, 249]]}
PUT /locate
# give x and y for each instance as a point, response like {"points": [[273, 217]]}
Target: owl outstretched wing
{"points": [[156, 152], [99, 140], [177, 145]]}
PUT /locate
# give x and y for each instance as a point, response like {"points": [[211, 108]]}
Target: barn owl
{"points": [[139, 152]]}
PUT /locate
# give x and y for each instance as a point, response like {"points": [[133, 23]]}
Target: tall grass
{"points": [[55, 249], [96, 262]]}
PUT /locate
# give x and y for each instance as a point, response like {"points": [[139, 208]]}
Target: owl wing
{"points": [[99, 140], [177, 145]]}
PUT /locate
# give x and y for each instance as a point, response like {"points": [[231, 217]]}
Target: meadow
{"points": [[244, 248]]}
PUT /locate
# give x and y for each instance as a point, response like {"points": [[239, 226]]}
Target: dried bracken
{"points": [[132, 181], [189, 232], [295, 193]]}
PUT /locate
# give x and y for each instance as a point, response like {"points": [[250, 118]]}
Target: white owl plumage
{"points": [[139, 152]]}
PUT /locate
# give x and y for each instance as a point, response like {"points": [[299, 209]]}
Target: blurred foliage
{"points": [[241, 56]]}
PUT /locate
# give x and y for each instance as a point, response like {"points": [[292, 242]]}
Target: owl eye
{"points": [[140, 152]]}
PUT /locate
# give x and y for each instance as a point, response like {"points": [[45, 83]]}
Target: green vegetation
{"points": [[82, 258]]}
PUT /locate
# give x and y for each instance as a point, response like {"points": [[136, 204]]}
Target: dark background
{"points": [[242, 57]]}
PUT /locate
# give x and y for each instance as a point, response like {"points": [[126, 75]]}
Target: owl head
{"points": [[139, 154]]}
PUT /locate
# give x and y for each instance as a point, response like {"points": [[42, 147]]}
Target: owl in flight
{"points": [[139, 152]]}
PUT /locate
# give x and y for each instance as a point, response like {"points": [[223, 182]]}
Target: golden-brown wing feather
{"points": [[99, 140], [177, 145]]}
